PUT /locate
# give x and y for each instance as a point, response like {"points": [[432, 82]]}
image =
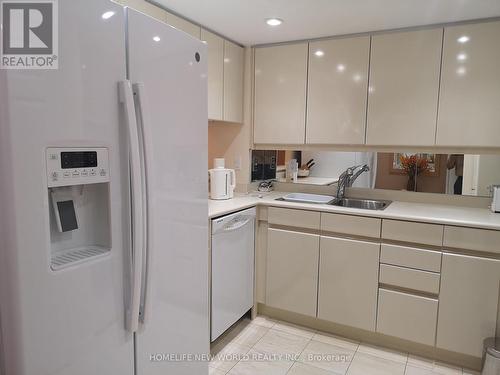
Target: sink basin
{"points": [[308, 198], [365, 204]]}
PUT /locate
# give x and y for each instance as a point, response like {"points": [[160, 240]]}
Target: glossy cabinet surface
{"points": [[294, 218], [469, 110], [280, 94], [337, 91], [407, 316], [234, 61], [421, 259], [468, 303], [348, 282], [407, 231], [409, 278], [215, 74], [184, 25], [292, 271], [403, 88], [351, 225]]}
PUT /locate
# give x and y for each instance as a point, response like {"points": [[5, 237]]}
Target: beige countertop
{"points": [[429, 213]]}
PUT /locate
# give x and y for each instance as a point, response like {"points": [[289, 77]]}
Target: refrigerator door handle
{"points": [[137, 220], [142, 122]]}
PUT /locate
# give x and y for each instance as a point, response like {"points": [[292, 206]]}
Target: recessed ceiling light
{"points": [[274, 21], [156, 38], [319, 53], [463, 39], [461, 57], [107, 15], [461, 71], [340, 68]]}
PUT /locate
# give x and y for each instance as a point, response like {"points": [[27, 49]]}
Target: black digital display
{"points": [[78, 159], [67, 215]]}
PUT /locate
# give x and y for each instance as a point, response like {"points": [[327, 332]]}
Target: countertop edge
{"points": [[385, 214]]}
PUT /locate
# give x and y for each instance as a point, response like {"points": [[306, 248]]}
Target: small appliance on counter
{"points": [[495, 203], [222, 181]]}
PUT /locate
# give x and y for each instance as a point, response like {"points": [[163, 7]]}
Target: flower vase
{"points": [[411, 185]]}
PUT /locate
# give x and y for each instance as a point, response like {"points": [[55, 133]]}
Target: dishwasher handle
{"points": [[237, 224]]}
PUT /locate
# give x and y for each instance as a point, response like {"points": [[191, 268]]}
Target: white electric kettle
{"points": [[222, 181]]}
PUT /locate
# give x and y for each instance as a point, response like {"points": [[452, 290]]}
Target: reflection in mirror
{"points": [[457, 174]]}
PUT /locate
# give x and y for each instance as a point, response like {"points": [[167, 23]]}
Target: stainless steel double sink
{"points": [[363, 204]]}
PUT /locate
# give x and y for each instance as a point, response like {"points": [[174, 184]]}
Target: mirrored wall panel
{"points": [[457, 174]]}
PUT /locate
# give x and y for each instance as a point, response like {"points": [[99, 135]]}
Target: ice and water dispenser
{"points": [[79, 205]]}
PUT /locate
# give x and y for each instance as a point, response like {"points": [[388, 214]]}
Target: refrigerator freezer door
{"points": [[170, 70], [67, 322]]}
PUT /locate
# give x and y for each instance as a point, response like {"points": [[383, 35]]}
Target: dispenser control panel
{"points": [[76, 166]]}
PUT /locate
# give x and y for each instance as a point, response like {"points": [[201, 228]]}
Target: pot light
{"points": [[156, 38], [462, 57], [340, 68], [463, 39], [319, 53], [461, 71], [107, 15], [274, 21]]}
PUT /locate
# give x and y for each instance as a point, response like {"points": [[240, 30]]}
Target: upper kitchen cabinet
{"points": [[215, 74], [146, 8], [182, 24], [280, 94], [403, 88], [225, 78], [234, 61], [469, 110], [337, 87]]}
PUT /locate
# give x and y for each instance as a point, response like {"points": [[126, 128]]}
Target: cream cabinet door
{"points": [[234, 60], [469, 110], [337, 87], [468, 302], [403, 88], [215, 74], [348, 282], [184, 25], [280, 94], [292, 271]]}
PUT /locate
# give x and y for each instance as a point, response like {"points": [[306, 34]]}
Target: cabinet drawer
{"points": [[472, 239], [293, 218], [407, 316], [352, 225], [409, 278], [422, 233], [427, 260]]}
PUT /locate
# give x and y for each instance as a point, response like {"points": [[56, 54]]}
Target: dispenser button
{"points": [[55, 176], [92, 173], [102, 172], [84, 173], [76, 174], [66, 174]]}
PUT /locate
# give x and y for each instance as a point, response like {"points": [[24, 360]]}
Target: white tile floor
{"points": [[268, 347]]}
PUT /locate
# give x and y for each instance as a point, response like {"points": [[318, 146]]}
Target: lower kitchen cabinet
{"points": [[348, 282], [468, 303], [407, 316], [292, 271]]}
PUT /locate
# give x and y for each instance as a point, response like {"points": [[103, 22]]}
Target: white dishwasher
{"points": [[233, 249]]}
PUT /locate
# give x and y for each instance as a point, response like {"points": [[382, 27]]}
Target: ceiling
{"points": [[244, 20]]}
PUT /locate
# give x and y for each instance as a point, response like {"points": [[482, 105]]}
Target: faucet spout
{"points": [[348, 177]]}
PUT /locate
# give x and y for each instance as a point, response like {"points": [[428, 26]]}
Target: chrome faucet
{"points": [[348, 177]]}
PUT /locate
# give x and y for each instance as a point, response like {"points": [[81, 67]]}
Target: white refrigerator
{"points": [[103, 203]]}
